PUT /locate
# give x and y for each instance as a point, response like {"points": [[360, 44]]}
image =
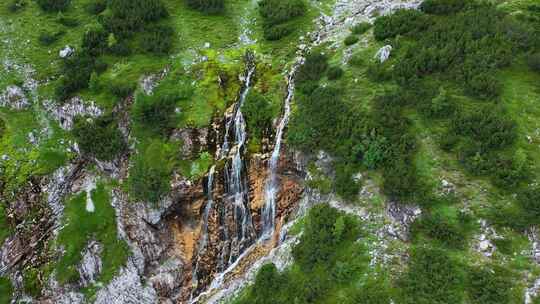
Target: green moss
{"points": [[81, 226], [6, 290]]}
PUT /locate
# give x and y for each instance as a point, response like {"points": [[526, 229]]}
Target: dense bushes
{"points": [[207, 6], [361, 28], [258, 113], [6, 290], [156, 113], [158, 39], [442, 7], [94, 41], [76, 71], [533, 60], [433, 277], [327, 257], [446, 225], [16, 5], [128, 17], [276, 15], [150, 172], [53, 5], [491, 285], [400, 23], [350, 40], [47, 38], [99, 137], [529, 201]]}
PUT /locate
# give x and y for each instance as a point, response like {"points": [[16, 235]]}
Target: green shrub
{"points": [[490, 127], [357, 60], [334, 73], [432, 278], [96, 7], [442, 7], [373, 291], [158, 39], [6, 290], [534, 62], [121, 88], [32, 283], [127, 17], [345, 184], [99, 137], [529, 201], [399, 23], [66, 21], [313, 68], [318, 242], [53, 5], [76, 71], [94, 41], [484, 85], [48, 38], [361, 28], [156, 113], [276, 15], [16, 5], [207, 6], [258, 113], [445, 225], [490, 285], [150, 173], [350, 40]]}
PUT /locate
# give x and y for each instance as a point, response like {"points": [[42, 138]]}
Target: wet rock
{"points": [[14, 97], [91, 265]]}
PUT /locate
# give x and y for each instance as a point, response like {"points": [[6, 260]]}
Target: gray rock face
{"points": [[383, 53], [402, 216], [127, 288], [14, 98], [66, 52], [66, 113], [167, 277], [91, 265]]}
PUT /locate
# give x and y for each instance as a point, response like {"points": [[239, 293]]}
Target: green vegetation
{"points": [[6, 290], [82, 226], [326, 259], [151, 171], [259, 113], [53, 5], [207, 6], [361, 28], [350, 40], [277, 15], [99, 137], [433, 276]]}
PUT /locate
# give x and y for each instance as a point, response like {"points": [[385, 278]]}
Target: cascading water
{"points": [[272, 186], [242, 233], [236, 182]]}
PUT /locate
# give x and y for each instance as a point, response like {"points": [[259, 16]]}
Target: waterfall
{"points": [[272, 186], [236, 196], [236, 182], [203, 242]]}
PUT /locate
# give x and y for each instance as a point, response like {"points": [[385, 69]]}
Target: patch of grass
{"points": [[6, 290], [81, 226]]}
